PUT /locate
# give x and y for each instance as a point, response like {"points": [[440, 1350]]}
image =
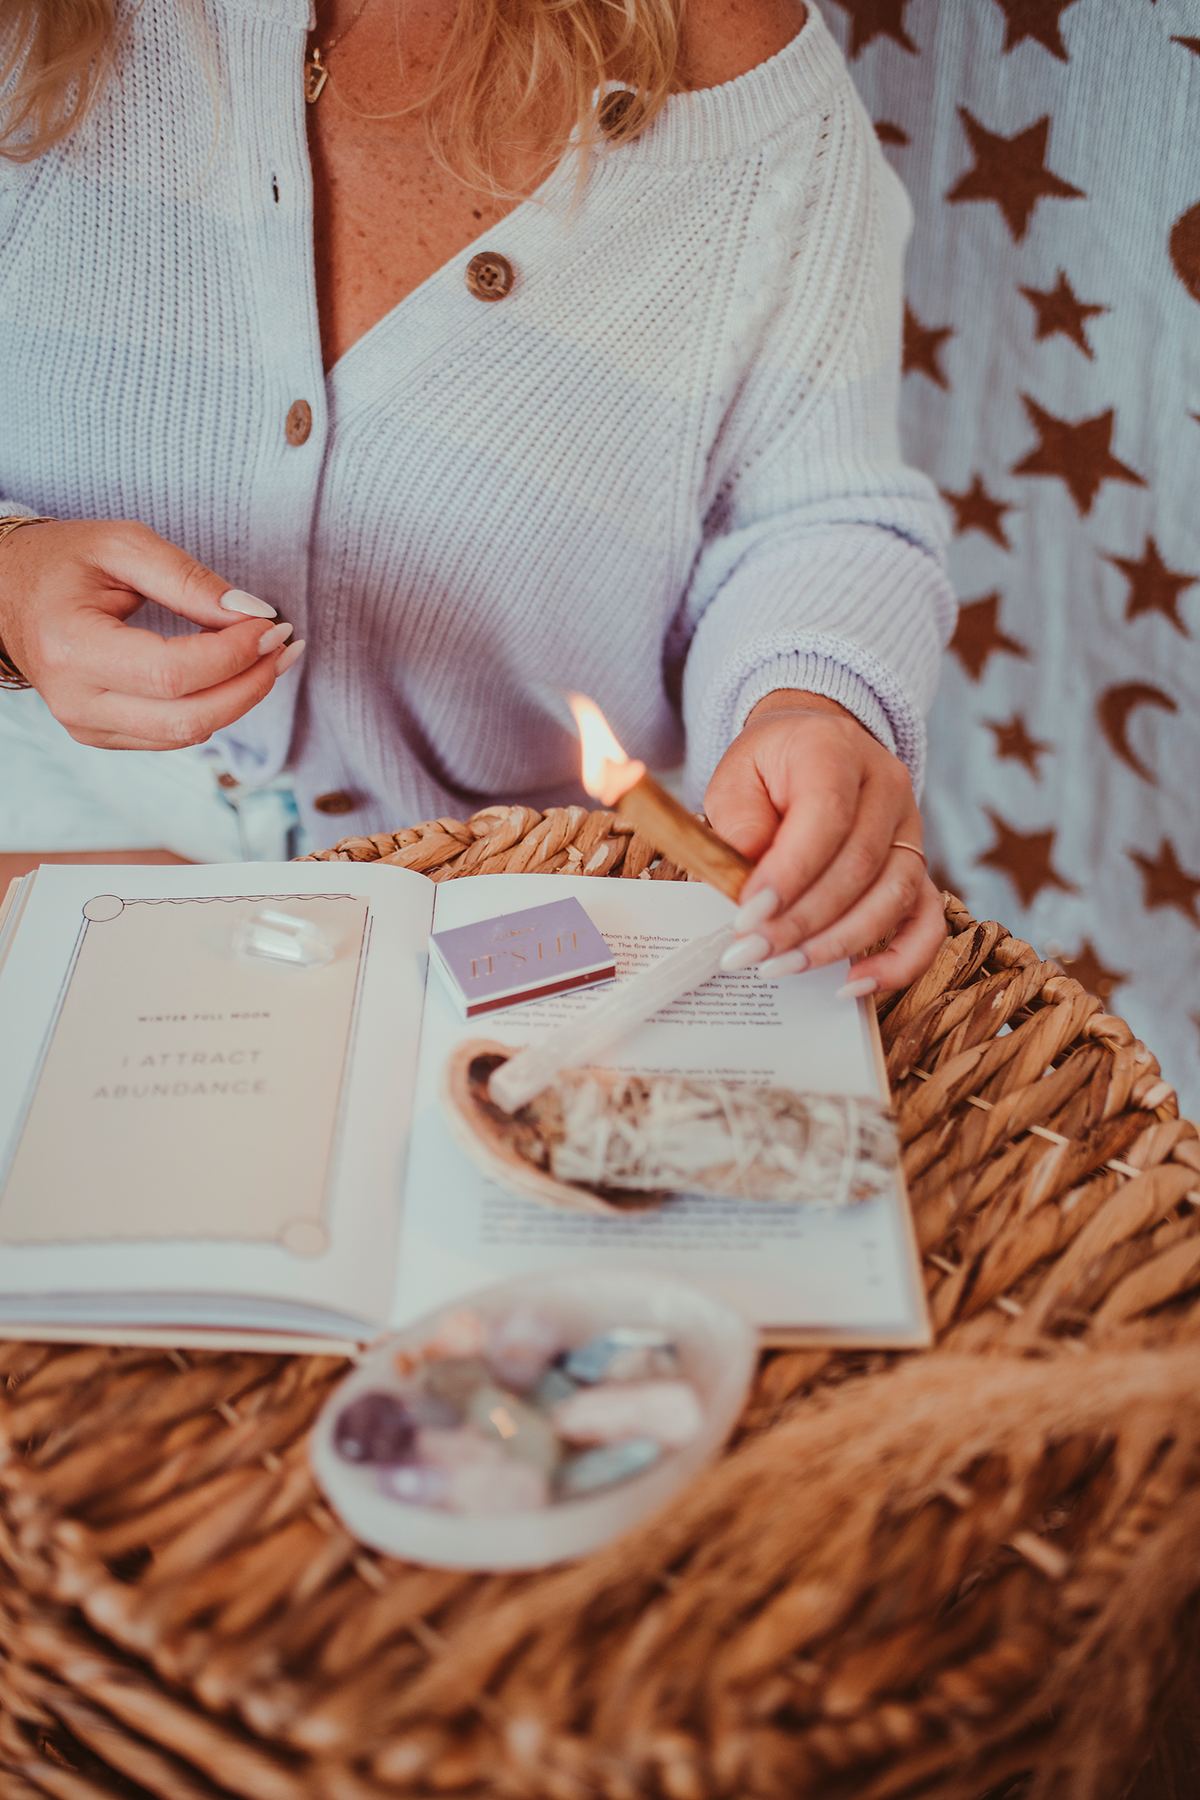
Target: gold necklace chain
{"points": [[316, 72]]}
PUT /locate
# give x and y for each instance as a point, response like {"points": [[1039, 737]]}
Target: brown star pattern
{"points": [[1189, 43], [888, 133], [1061, 314], [870, 19], [1152, 586], [978, 636], [1036, 19], [1091, 973], [1113, 709], [1184, 245], [1026, 857], [1077, 454], [1165, 883], [922, 347], [1011, 171], [1014, 744], [977, 510]]}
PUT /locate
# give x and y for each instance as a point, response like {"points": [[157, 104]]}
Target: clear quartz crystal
{"points": [[519, 1430], [281, 937]]}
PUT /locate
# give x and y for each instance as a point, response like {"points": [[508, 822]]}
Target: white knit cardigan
{"points": [[662, 471]]}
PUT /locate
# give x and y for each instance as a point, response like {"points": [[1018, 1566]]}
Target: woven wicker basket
{"points": [[954, 1574]]}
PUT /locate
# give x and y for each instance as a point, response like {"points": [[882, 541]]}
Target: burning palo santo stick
{"points": [[617, 781]]}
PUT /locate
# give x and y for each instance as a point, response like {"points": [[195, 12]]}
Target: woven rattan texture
{"points": [[966, 1572]]}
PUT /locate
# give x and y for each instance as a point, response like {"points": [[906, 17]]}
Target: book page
{"points": [[847, 1276], [170, 1053], [180, 1119]]}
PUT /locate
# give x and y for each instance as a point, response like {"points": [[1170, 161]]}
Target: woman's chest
{"points": [[387, 215]]}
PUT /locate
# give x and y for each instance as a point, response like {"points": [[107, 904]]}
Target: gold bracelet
{"points": [[10, 675]]}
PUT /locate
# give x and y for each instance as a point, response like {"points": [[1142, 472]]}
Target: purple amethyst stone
{"points": [[375, 1428]]}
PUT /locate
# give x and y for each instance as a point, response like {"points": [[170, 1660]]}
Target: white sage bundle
{"points": [[676, 1134], [597, 1141]]}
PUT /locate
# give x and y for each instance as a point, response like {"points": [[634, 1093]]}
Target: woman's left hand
{"points": [[820, 807]]}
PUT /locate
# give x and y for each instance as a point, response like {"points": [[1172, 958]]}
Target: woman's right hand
{"points": [[66, 591]]}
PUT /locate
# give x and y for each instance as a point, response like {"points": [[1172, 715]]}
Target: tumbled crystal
{"points": [[624, 1353], [520, 1431], [503, 1487], [426, 1409], [417, 1484], [375, 1428], [666, 1411], [456, 1449], [453, 1379], [460, 1333], [520, 1346], [554, 1386], [595, 1469]]}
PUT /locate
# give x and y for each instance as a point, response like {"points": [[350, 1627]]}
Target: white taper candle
{"points": [[583, 1038]]}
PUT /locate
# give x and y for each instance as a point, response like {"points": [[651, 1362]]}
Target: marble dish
{"points": [[717, 1351]]}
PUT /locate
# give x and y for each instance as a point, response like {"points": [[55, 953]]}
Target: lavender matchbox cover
{"points": [[521, 956]]}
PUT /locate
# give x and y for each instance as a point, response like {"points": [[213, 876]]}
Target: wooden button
{"points": [[489, 276], [299, 422], [226, 780], [337, 802], [614, 110]]}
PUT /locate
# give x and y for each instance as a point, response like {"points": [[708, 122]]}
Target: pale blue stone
{"points": [[605, 1467], [554, 1386]]}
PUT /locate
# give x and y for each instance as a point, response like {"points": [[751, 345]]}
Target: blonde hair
{"points": [[60, 51], [524, 74]]}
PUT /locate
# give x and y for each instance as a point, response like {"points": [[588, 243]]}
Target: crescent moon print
{"points": [[1184, 244], [1113, 709]]}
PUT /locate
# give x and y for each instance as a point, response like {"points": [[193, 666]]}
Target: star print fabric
{"points": [[1052, 390]]}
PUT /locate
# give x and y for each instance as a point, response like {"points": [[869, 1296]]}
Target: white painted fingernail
{"points": [[746, 951], [854, 990], [288, 657], [792, 962], [271, 640], [764, 906], [236, 601]]}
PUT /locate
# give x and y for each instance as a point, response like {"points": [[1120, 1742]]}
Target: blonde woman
{"points": [[490, 349]]}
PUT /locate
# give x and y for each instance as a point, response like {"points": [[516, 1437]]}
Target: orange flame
{"points": [[607, 771]]}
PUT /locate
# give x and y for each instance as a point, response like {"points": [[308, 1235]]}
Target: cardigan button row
{"points": [[489, 276]]}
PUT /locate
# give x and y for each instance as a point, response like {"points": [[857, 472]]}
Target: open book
{"points": [[201, 1148]]}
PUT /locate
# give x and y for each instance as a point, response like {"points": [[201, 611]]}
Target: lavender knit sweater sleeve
{"points": [[822, 562], [663, 470]]}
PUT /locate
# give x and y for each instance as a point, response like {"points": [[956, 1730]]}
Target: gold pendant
{"points": [[315, 76]]}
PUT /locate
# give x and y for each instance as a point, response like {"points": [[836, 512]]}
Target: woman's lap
{"points": [[57, 795]]}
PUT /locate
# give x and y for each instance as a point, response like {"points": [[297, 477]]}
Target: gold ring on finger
{"points": [[899, 844]]}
